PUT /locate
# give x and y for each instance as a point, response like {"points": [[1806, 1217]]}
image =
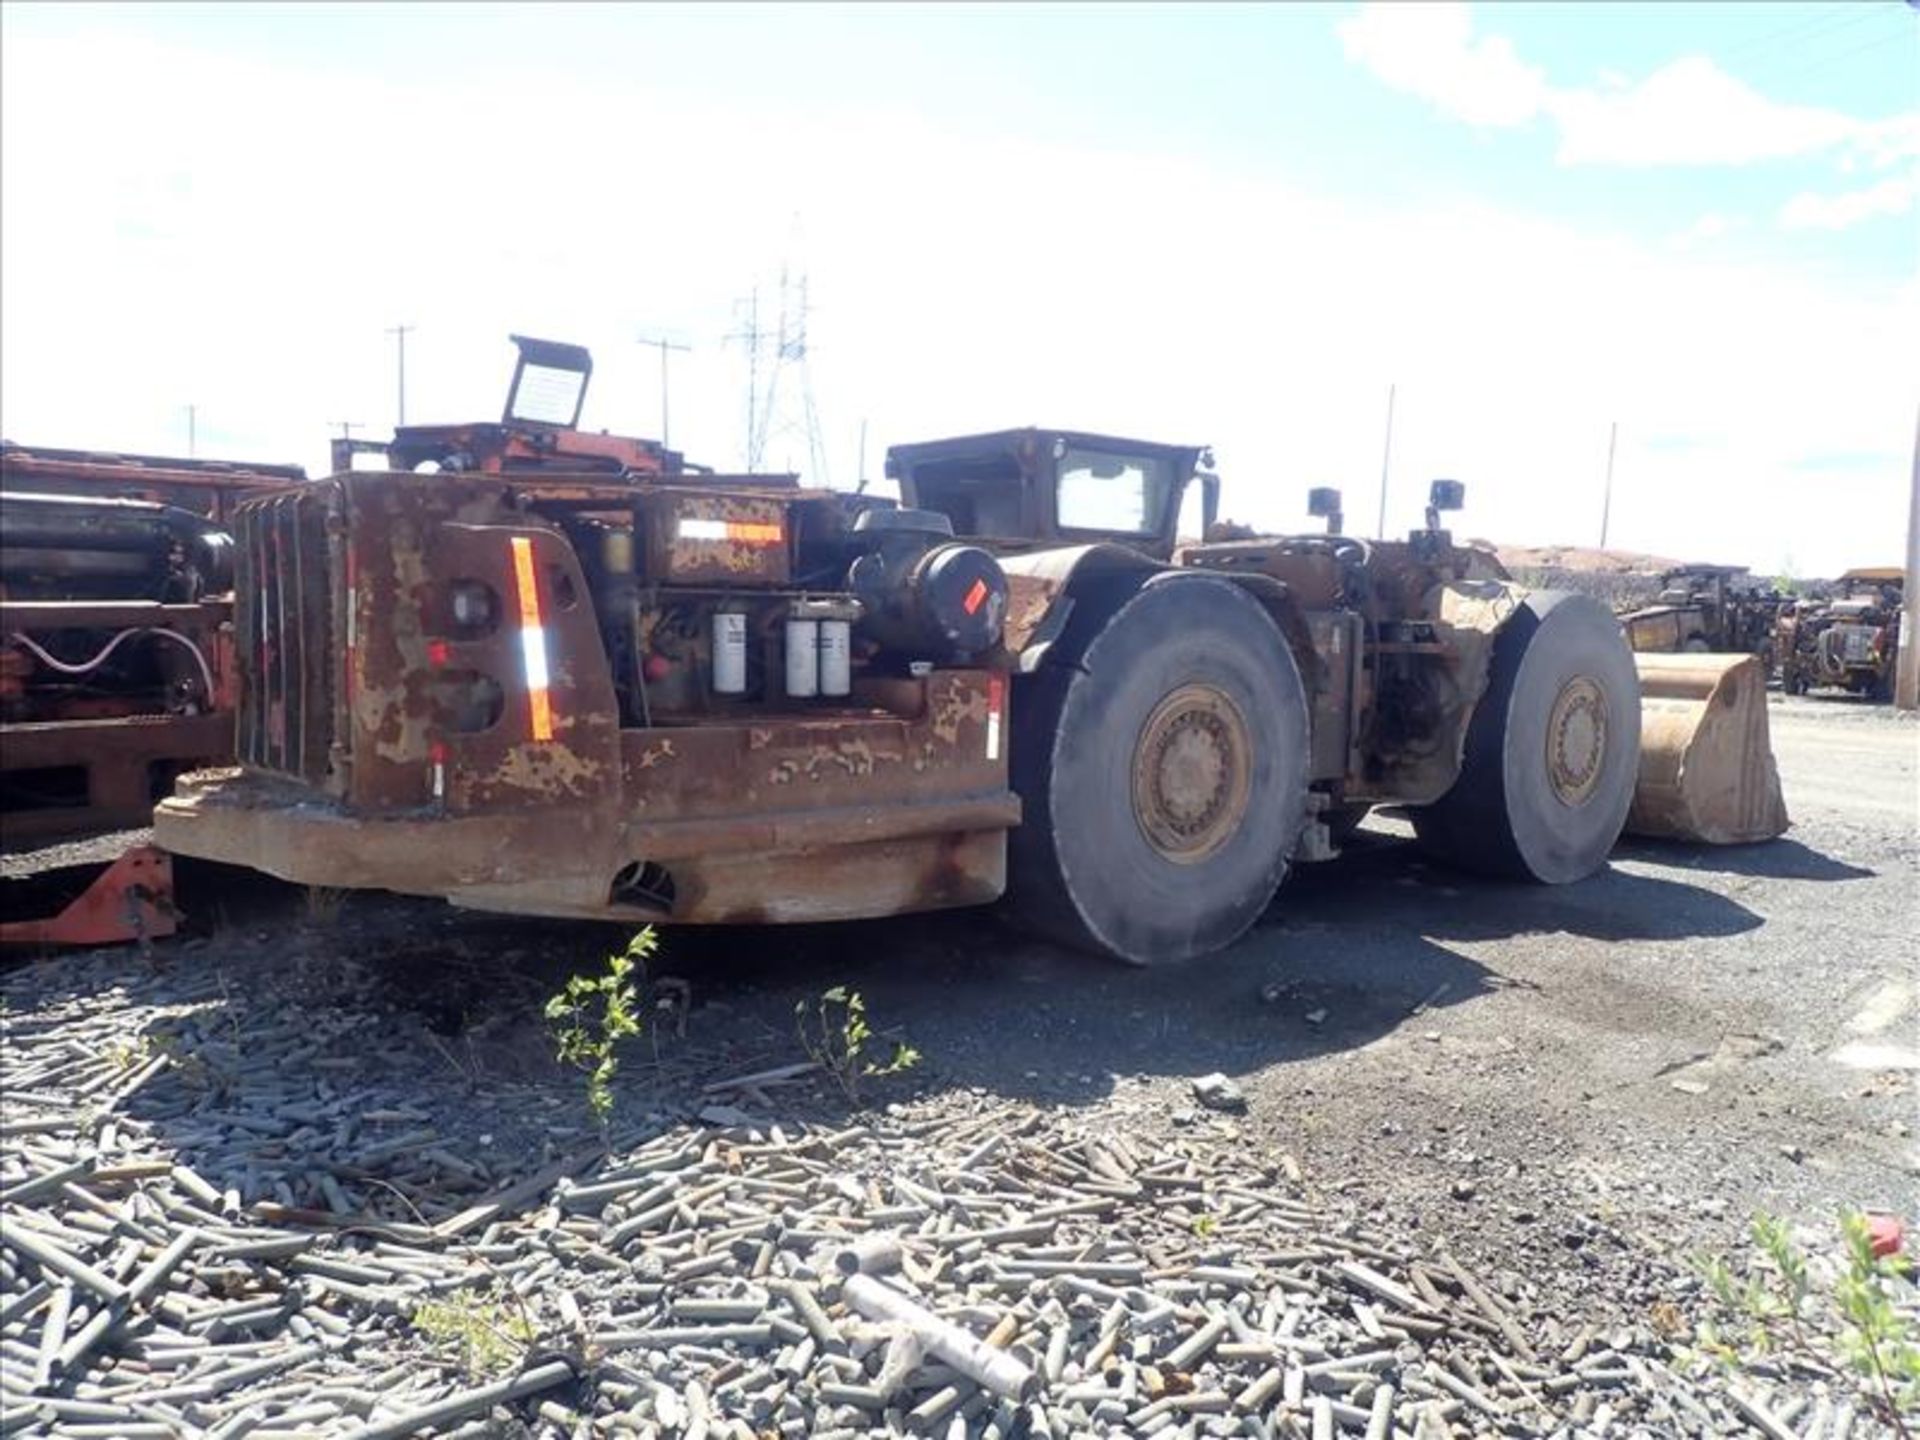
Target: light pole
{"points": [[1386, 464], [664, 345], [399, 333], [1606, 498]]}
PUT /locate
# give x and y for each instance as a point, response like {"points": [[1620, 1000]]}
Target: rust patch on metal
{"points": [[955, 703], [1029, 597]]}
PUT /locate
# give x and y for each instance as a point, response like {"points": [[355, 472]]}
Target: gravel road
{"points": [[1693, 1035], [1573, 1089]]}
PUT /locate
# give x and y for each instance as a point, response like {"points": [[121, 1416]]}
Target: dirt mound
{"points": [[1583, 559]]}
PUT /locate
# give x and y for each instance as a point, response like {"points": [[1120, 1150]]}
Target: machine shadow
{"points": [[1780, 859], [1390, 881], [445, 1013], [990, 1008], [1351, 952]]}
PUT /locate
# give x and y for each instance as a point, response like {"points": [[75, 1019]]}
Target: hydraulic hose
{"points": [[86, 667]]}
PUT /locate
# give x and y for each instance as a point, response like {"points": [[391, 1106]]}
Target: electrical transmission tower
{"points": [[783, 424]]}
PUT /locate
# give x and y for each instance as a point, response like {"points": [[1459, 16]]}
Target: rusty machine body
{"points": [[1849, 640], [667, 695], [1721, 609], [115, 663]]}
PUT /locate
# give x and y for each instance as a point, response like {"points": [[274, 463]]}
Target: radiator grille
{"points": [[284, 603], [1856, 643]]}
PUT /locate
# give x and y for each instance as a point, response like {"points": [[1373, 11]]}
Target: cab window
{"points": [[1126, 494]]}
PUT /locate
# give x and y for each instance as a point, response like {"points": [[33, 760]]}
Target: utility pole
{"points": [[861, 487], [1606, 502], [1906, 680], [664, 346], [1386, 464], [399, 333], [192, 437], [750, 336]]}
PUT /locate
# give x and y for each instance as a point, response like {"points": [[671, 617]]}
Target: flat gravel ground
{"points": [[1580, 1085], [1697, 1034]]}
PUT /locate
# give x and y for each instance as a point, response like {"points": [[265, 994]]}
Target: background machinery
{"points": [[641, 692], [116, 574], [1849, 640], [116, 668], [1707, 608]]}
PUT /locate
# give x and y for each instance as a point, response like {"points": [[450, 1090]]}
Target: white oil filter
{"points": [[803, 658], [729, 652], [836, 658]]}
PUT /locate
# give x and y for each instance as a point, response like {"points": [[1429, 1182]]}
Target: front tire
{"points": [[1163, 778], [1552, 752]]}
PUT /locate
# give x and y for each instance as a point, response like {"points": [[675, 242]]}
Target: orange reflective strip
{"points": [[523, 581], [975, 597], [730, 532], [533, 639], [542, 714]]}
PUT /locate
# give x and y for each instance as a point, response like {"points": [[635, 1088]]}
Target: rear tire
{"points": [[1163, 778], [1552, 752]]}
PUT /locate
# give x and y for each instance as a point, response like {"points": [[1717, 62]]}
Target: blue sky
{"points": [[1232, 223]]}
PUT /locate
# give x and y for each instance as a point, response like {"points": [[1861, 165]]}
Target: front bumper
{"points": [[842, 863]]}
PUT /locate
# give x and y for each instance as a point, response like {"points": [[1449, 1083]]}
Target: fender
{"points": [[1048, 588]]}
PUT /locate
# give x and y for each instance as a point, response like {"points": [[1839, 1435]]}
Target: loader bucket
{"points": [[1706, 764]]}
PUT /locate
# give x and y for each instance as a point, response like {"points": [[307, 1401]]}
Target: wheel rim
{"points": [[1191, 773], [1577, 741]]}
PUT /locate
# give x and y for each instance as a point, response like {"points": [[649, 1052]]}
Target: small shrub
{"points": [[835, 1033], [594, 1013], [485, 1336], [1877, 1339], [1859, 1319]]}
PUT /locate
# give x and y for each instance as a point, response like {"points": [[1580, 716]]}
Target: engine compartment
{"points": [[716, 602]]}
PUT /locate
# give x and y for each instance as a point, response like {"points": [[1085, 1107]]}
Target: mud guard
{"points": [[1049, 587]]}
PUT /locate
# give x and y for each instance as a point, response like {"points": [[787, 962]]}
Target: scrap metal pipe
{"points": [[987, 1367]]}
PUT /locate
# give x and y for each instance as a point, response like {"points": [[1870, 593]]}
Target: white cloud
{"points": [[1810, 211], [1708, 228], [1428, 49], [1688, 112], [960, 284]]}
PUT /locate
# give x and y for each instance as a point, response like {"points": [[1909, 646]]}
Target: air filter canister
{"points": [[803, 658], [729, 652]]}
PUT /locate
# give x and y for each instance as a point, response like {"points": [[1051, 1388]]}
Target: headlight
{"points": [[473, 607]]}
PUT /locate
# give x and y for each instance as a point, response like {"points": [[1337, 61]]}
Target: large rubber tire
{"points": [[1553, 749], [1163, 774]]}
